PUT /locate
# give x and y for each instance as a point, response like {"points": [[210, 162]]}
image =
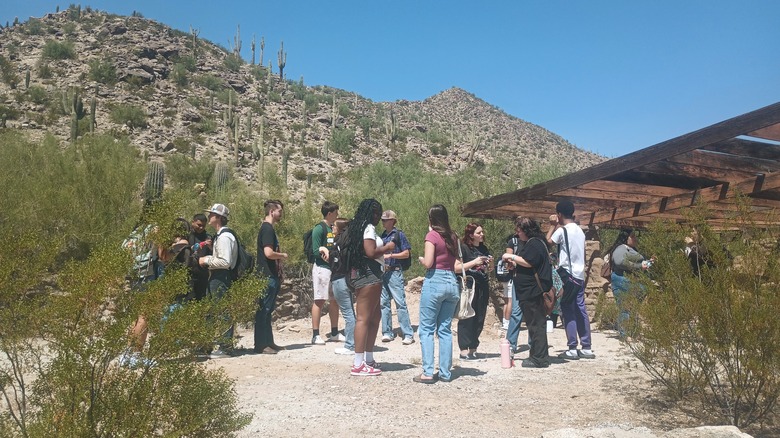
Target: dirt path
{"points": [[307, 390]]}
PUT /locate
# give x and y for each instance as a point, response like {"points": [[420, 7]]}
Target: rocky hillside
{"points": [[80, 71]]}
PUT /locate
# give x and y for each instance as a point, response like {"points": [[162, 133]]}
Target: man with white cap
{"points": [[393, 281], [219, 264]]}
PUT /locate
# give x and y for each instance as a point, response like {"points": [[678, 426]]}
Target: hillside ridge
{"points": [[171, 92]]}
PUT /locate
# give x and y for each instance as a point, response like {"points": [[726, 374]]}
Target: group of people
{"points": [[359, 270]]}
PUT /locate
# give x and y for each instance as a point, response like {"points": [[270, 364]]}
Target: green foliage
{"points": [[34, 27], [37, 94], [342, 142], [185, 173], [130, 115], [154, 182], [180, 75], [209, 81], [712, 339], [44, 70], [206, 125], [188, 62], [233, 63], [56, 50], [221, 178], [102, 71], [8, 72]]}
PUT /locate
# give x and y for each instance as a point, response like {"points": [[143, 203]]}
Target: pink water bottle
{"points": [[506, 355]]}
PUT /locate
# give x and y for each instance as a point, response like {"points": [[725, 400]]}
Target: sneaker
{"points": [[344, 351], [505, 326], [365, 370], [219, 353], [374, 364], [317, 340], [528, 363], [387, 338], [569, 355], [338, 338], [469, 357], [586, 354], [408, 341]]}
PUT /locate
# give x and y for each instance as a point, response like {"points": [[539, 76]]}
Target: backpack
{"points": [[144, 253], [338, 264], [403, 263], [307, 244], [502, 272], [245, 262]]}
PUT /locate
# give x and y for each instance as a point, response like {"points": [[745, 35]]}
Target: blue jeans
{"points": [[344, 299], [219, 283], [621, 290], [264, 336], [393, 287], [513, 332], [438, 300]]}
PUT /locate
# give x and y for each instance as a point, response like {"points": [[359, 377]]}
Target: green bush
{"points": [[179, 75], [342, 142], [233, 63], [103, 71], [130, 115], [712, 339], [8, 72], [210, 82], [37, 94], [58, 50]]}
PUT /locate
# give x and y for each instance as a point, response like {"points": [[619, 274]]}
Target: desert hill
{"points": [[170, 92]]}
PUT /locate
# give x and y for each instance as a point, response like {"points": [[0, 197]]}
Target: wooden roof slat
{"points": [[716, 160], [770, 132], [631, 188], [696, 172], [749, 122], [747, 148]]}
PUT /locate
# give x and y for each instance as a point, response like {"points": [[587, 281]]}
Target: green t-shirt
{"points": [[321, 235]]}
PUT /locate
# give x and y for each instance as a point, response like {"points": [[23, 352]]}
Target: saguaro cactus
{"points": [[221, 178], [253, 49], [155, 181], [262, 51], [285, 156], [391, 128], [282, 61], [92, 120]]}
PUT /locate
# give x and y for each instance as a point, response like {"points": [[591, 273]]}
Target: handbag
{"points": [[606, 268], [464, 310], [548, 296]]}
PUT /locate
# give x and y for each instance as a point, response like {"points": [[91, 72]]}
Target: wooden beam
{"points": [[632, 188], [769, 133], [727, 129], [717, 160], [747, 148], [696, 171], [716, 193]]}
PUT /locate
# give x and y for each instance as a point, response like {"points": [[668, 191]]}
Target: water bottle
{"points": [[549, 325], [506, 355]]}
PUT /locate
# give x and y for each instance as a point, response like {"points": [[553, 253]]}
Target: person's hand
{"points": [[284, 256], [389, 256], [553, 219], [202, 261], [421, 259]]}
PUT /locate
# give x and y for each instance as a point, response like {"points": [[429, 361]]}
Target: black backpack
{"points": [[245, 263], [307, 249], [502, 272], [338, 264], [403, 263]]}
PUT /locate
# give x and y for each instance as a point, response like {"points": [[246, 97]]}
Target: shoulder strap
{"points": [[568, 251]]}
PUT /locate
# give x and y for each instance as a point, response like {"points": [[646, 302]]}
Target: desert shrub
{"points": [[344, 110], [34, 27], [205, 126], [273, 96], [712, 339], [179, 75], [209, 81], [103, 71], [37, 94], [58, 50], [189, 62], [44, 70], [130, 115], [233, 63], [342, 141], [300, 174], [8, 72]]}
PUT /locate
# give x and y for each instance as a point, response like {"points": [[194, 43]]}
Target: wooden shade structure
{"points": [[714, 165]]}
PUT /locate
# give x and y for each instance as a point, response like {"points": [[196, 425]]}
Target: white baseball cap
{"points": [[219, 209]]}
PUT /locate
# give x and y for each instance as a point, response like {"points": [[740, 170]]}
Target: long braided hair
{"points": [[368, 212], [440, 222]]}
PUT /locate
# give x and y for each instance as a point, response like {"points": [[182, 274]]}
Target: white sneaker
{"points": [[344, 351], [317, 340], [505, 326], [130, 359], [338, 338], [408, 341], [386, 338], [219, 354]]}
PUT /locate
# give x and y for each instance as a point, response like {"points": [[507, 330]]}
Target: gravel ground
{"points": [[307, 390]]}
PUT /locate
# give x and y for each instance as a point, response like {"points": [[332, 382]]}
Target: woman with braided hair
{"points": [[364, 252]]}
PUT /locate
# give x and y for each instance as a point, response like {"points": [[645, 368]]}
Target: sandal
{"points": [[419, 379]]}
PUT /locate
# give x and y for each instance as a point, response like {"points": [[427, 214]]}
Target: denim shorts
{"points": [[360, 278]]}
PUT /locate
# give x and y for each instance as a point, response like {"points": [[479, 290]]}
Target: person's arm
{"points": [[318, 239], [428, 258], [554, 225], [516, 259], [270, 254], [372, 251], [324, 253], [223, 248], [471, 264]]}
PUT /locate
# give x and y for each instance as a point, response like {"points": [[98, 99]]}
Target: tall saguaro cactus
{"points": [[262, 52], [391, 129], [253, 49], [231, 119], [285, 157], [155, 181], [282, 61], [221, 178]]}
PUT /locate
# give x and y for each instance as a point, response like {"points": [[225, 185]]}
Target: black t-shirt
{"points": [[534, 252], [197, 270], [479, 272], [267, 237]]}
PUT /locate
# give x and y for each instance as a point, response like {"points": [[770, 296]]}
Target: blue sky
{"points": [[610, 76]]}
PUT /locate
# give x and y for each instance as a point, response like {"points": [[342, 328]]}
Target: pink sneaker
{"points": [[365, 370]]}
